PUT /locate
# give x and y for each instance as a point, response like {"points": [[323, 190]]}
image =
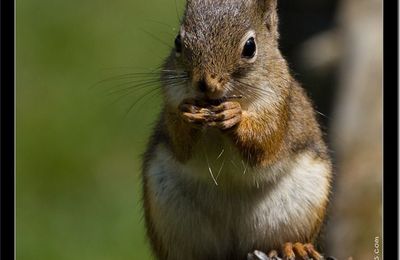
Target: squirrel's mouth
{"points": [[218, 96], [216, 101]]}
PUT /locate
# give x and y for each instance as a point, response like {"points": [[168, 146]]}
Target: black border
{"points": [[7, 130], [391, 127], [391, 169]]}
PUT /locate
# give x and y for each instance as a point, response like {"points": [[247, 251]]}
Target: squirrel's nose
{"points": [[209, 86], [203, 86]]}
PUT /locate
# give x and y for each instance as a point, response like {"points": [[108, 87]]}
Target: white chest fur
{"points": [[214, 204]]}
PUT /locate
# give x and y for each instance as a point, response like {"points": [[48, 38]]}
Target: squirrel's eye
{"points": [[249, 48], [178, 44]]}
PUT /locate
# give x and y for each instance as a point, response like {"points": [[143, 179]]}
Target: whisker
{"points": [[133, 88], [120, 78], [208, 164], [155, 94], [220, 169], [124, 95], [148, 74], [258, 89], [245, 167], [162, 23], [139, 99], [156, 38], [177, 13], [219, 156], [255, 87], [233, 88], [327, 117], [246, 92], [139, 83], [143, 81], [150, 96]]}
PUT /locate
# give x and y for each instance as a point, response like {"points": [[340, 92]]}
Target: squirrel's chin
{"points": [[215, 96]]}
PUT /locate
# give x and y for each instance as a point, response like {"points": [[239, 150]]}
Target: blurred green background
{"points": [[78, 152]]}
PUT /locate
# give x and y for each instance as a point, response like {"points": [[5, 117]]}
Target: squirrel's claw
{"points": [[200, 117], [273, 255], [302, 251], [312, 252], [227, 115], [223, 116], [289, 252], [191, 112]]}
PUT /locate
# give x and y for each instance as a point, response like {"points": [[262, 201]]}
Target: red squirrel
{"points": [[236, 162]]}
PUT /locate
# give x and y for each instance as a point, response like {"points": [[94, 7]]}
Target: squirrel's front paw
{"points": [[225, 115], [192, 112]]}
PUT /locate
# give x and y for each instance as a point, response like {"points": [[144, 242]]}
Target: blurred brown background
{"points": [[339, 61]]}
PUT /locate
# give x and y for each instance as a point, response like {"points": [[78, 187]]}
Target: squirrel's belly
{"points": [[198, 219]]}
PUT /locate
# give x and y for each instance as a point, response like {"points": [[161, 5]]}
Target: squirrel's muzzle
{"points": [[210, 86]]}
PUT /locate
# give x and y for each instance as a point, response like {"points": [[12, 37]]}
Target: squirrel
{"points": [[236, 167]]}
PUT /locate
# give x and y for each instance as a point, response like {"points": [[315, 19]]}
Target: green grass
{"points": [[78, 153]]}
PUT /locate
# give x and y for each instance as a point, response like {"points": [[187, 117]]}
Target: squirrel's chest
{"points": [[194, 221], [194, 216]]}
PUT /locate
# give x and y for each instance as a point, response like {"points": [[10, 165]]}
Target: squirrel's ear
{"points": [[269, 9]]}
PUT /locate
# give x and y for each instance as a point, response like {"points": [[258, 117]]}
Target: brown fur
{"points": [[281, 125], [182, 138]]}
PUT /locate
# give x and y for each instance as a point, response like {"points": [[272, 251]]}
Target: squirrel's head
{"points": [[224, 48]]}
